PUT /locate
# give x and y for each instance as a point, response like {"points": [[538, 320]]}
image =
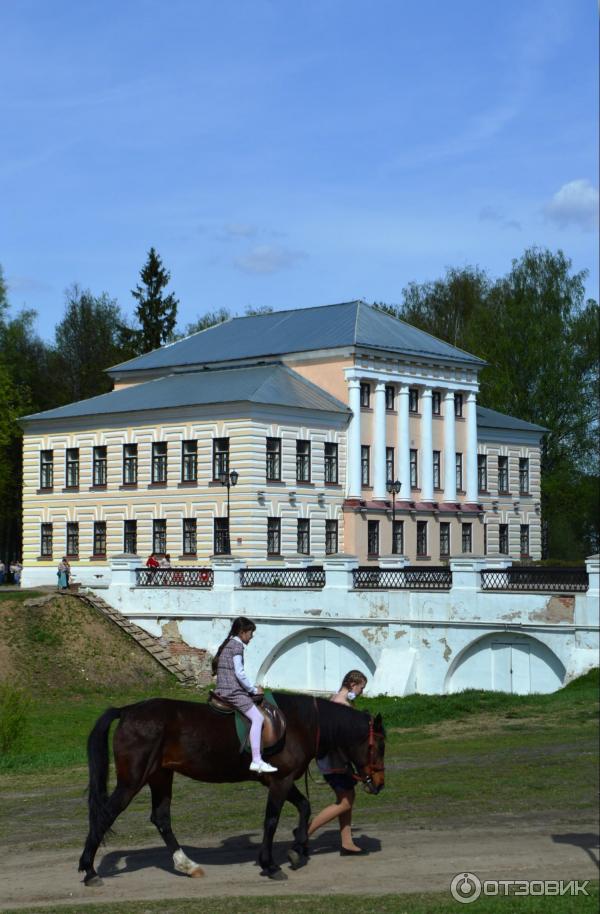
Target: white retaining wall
{"points": [[405, 641]]}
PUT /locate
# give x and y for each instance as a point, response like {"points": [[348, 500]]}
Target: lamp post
{"points": [[229, 480], [393, 488]]}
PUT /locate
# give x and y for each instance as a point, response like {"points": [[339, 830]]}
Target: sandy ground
{"points": [[410, 860]]}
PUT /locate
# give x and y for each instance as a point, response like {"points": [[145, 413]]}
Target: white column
{"points": [[403, 443], [379, 480], [449, 447], [426, 446], [472, 488], [353, 470]]}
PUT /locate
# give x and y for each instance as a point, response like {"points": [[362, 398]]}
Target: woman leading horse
{"points": [[156, 738]]}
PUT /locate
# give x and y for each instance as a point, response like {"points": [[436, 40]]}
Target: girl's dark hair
{"points": [[354, 677], [239, 625]]}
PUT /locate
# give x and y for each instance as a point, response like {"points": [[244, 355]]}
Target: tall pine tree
{"points": [[156, 312]]}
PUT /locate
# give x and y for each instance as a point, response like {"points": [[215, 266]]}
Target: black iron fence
{"points": [[174, 577], [536, 579], [289, 578], [370, 578]]}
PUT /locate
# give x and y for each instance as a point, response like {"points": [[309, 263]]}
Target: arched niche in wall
{"points": [[314, 660], [506, 662]]}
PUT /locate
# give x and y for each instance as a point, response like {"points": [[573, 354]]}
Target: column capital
{"points": [[448, 394], [471, 396], [427, 391], [353, 381], [380, 384]]}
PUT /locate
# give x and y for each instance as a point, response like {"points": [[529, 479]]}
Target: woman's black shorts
{"points": [[340, 780]]}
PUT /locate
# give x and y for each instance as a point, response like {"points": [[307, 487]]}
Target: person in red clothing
{"points": [[152, 561]]}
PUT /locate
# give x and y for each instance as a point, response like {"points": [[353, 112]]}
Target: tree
{"points": [[88, 341], [210, 319], [156, 313]]}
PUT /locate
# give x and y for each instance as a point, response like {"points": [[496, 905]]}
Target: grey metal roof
{"points": [[327, 327], [272, 384], [490, 418]]}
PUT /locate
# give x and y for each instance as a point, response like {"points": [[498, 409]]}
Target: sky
{"points": [[290, 154]]}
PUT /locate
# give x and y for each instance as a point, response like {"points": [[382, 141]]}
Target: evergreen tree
{"points": [[156, 313]]}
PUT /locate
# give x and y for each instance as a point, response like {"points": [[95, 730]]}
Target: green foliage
{"points": [[210, 319], [156, 313], [14, 712]]}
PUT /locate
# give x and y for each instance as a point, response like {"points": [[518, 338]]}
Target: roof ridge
{"points": [[438, 339], [242, 317]]}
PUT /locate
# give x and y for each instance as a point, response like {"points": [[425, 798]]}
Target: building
{"points": [[277, 437]]}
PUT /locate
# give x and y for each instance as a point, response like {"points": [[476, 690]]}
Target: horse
{"points": [[158, 737]]}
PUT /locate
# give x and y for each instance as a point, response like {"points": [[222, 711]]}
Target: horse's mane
{"points": [[338, 726]]}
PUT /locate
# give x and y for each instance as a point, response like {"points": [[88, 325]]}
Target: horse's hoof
{"points": [[275, 873], [196, 873], [93, 881], [297, 861]]}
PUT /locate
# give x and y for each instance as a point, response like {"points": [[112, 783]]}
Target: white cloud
{"points": [[576, 203], [268, 258]]}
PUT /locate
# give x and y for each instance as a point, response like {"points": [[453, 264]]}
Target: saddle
{"points": [[274, 726]]}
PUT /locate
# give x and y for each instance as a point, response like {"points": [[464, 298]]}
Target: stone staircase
{"points": [[176, 662]]}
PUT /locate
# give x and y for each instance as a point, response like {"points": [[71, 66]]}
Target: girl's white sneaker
{"points": [[262, 767]]}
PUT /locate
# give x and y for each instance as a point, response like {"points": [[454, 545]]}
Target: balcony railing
{"points": [[312, 577], [370, 578], [535, 579], [174, 577]]}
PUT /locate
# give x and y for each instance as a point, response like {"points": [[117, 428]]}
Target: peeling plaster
{"points": [[425, 642], [557, 609], [510, 616], [377, 611], [400, 634], [374, 635], [447, 649], [170, 631]]}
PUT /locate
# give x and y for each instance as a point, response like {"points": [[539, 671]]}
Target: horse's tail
{"points": [[97, 749]]}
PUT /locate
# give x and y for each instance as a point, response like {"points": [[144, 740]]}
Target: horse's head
{"points": [[369, 757]]}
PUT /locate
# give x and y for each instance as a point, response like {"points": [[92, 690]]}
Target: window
{"points": [[413, 400], [189, 536], [100, 537], [503, 539], [273, 536], [444, 540], [421, 537], [302, 461], [331, 537], [458, 405], [159, 463], [398, 537], [130, 537], [99, 469], [220, 465], [414, 474], [274, 459], [459, 472], [523, 475], [73, 540], [389, 396], [221, 544], [365, 453], [331, 463], [159, 537], [436, 403], [365, 395], [46, 541], [46, 469], [189, 461], [389, 464], [72, 475], [303, 536], [524, 541], [503, 475], [482, 472], [437, 470], [130, 465], [467, 537], [373, 537]]}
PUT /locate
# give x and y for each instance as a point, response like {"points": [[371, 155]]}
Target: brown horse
{"points": [[158, 737]]}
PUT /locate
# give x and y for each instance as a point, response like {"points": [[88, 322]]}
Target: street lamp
{"points": [[229, 480], [393, 488]]}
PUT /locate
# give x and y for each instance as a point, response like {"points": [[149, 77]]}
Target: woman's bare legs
{"points": [[341, 810]]}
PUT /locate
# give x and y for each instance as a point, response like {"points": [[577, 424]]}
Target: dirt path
{"points": [[410, 860]]}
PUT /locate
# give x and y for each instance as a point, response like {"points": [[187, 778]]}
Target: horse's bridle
{"points": [[370, 768]]}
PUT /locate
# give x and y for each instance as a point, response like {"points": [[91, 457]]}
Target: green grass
{"points": [[422, 903], [19, 596]]}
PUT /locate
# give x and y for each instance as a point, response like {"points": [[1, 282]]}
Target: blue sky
{"points": [[289, 153]]}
